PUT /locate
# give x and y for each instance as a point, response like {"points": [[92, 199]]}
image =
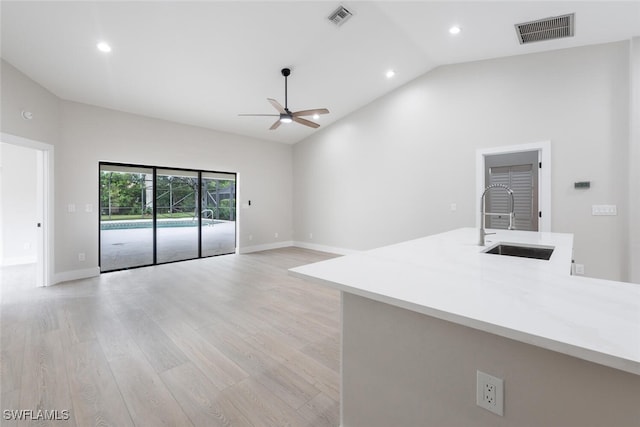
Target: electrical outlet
{"points": [[579, 269], [311, 235], [82, 256], [490, 393], [275, 235]]}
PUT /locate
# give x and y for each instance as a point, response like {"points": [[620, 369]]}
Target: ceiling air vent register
{"points": [[340, 16], [546, 29]]}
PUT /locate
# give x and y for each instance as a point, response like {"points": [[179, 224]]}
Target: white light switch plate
{"points": [[604, 210]]}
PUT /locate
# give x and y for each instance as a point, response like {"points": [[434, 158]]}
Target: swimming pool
{"points": [[161, 223]]}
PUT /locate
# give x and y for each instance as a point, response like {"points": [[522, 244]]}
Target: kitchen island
{"points": [[420, 317]]}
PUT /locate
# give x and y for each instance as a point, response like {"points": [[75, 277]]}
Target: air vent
{"points": [[546, 29], [340, 16]]}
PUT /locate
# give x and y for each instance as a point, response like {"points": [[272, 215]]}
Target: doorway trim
{"points": [[544, 177], [45, 199]]}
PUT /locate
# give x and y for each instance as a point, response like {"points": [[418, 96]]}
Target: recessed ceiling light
{"points": [[454, 30], [316, 116], [104, 47], [390, 74]]}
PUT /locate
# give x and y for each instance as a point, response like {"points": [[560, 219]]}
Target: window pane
{"points": [[177, 215], [218, 213], [126, 209]]}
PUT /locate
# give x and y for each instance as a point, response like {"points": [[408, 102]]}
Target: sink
{"points": [[520, 250]]}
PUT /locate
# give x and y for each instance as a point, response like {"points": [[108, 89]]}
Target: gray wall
{"points": [[83, 135], [390, 171], [402, 368]]}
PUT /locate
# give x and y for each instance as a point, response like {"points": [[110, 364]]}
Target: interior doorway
{"points": [[525, 168], [34, 235]]}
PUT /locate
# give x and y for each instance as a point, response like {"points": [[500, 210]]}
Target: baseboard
{"points": [[265, 247], [19, 260], [324, 248], [297, 244], [66, 276]]}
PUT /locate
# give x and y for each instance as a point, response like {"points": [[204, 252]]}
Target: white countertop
{"points": [[533, 301]]}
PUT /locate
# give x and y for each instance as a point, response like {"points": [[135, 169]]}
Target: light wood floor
{"points": [[225, 341]]}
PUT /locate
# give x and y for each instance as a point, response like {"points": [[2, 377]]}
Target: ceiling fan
{"points": [[287, 116]]}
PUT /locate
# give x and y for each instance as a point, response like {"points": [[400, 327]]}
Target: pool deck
{"points": [[130, 247]]}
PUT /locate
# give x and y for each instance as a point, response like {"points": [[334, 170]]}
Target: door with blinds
{"points": [[522, 180]]}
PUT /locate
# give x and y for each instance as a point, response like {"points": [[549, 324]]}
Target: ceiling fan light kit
{"points": [[287, 116]]}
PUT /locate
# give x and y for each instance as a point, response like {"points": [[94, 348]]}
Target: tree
{"points": [[122, 193]]}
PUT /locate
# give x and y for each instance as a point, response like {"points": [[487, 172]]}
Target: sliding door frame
{"points": [[155, 211]]}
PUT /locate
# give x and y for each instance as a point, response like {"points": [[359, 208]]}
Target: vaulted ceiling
{"points": [[203, 63]]}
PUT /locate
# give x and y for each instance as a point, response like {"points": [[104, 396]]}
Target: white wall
{"points": [[17, 204], [83, 135], [387, 172], [390, 171], [20, 93], [634, 163], [90, 134]]}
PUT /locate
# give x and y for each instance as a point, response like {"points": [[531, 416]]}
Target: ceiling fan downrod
{"points": [[285, 72]]}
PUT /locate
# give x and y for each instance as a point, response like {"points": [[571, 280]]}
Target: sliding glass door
{"points": [[176, 215], [218, 227], [126, 220], [152, 215]]}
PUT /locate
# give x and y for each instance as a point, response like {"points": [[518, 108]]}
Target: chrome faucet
{"points": [[483, 214]]}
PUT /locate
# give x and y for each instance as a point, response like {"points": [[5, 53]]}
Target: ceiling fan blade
{"points": [[305, 122], [259, 115], [311, 112], [277, 105], [275, 125]]}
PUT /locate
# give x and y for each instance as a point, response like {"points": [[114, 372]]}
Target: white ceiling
{"points": [[202, 63]]}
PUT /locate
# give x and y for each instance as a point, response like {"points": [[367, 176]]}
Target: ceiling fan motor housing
{"points": [[286, 117]]}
